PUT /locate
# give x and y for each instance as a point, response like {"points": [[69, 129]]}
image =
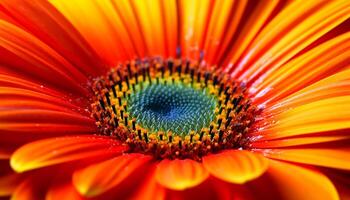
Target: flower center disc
{"points": [[172, 109]]}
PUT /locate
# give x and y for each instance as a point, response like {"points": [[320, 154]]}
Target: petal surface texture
{"points": [[287, 181], [326, 157], [180, 174], [59, 150], [236, 166], [93, 180], [290, 58]]}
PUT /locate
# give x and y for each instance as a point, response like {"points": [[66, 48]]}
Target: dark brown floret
{"points": [[234, 113]]}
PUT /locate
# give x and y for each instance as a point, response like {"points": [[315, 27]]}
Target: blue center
{"points": [[177, 107]]}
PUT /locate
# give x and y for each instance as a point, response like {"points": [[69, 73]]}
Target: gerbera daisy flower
{"points": [[174, 99]]}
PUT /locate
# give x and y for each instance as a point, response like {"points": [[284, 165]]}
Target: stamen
{"points": [[172, 109]]}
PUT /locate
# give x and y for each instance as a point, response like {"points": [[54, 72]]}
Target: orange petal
{"points": [[45, 22], [41, 115], [326, 157], [106, 31], [288, 142], [17, 133], [5, 152], [208, 189], [28, 189], [257, 18], [92, 180], [126, 13], [63, 190], [222, 24], [312, 66], [61, 185], [286, 35], [26, 123], [16, 93], [12, 80], [341, 180], [180, 174], [235, 166], [293, 182], [333, 86], [169, 12], [64, 149], [150, 18], [193, 19], [150, 188], [28, 94], [29, 56], [319, 116], [30, 104], [8, 184]]}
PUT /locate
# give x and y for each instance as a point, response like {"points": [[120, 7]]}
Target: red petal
{"points": [[12, 80], [341, 180], [5, 152], [235, 166], [150, 188], [64, 149], [29, 56], [29, 190], [8, 184], [17, 93], [40, 115], [63, 191], [19, 133], [180, 174], [93, 180], [44, 21]]}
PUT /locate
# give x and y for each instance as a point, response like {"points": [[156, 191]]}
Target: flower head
{"points": [[174, 99]]}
